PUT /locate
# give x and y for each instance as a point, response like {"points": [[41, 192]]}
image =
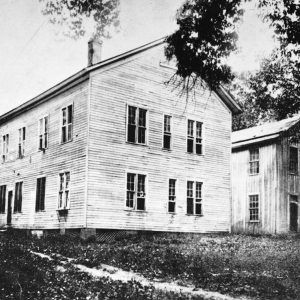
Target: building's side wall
{"points": [[264, 184], [140, 82], [58, 157]]}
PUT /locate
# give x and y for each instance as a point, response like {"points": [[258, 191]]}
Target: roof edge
{"points": [[68, 81], [228, 99]]}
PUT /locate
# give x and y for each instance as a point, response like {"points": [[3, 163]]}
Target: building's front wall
{"points": [[274, 184], [70, 156], [264, 184], [139, 81]]}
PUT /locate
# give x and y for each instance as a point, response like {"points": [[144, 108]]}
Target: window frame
{"points": [[296, 162], [194, 136], [254, 161], [67, 207], [3, 201], [67, 124], [5, 147], [256, 208], [36, 194], [195, 182], [136, 173], [170, 134], [16, 208], [137, 114], [21, 142], [44, 146], [175, 196]]}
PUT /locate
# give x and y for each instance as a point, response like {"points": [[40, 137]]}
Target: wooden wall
{"points": [[58, 157], [273, 184], [139, 81]]}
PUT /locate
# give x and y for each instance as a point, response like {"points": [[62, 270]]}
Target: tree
{"points": [[76, 15], [272, 93], [207, 35]]}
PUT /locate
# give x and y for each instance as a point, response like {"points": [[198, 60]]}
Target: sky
{"points": [[35, 55]]}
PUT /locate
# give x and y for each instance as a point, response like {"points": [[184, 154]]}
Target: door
{"points": [[9, 202], [294, 214]]}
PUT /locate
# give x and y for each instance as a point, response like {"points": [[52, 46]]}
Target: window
{"points": [[40, 194], [64, 193], [5, 144], [167, 132], [43, 133], [194, 137], [172, 195], [194, 198], [67, 124], [253, 208], [293, 166], [18, 197], [254, 161], [136, 125], [2, 198], [21, 144], [136, 191]]}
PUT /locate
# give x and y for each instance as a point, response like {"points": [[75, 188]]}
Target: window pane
{"points": [[24, 134], [131, 115], [190, 188], [167, 141], [129, 200], [67, 179], [198, 207], [140, 204], [142, 135], [198, 190], [198, 129], [70, 114], [198, 148], [190, 131], [141, 185], [142, 117], [190, 145], [130, 181], [171, 207], [64, 116], [131, 133], [64, 134], [293, 166], [70, 127], [190, 206], [167, 124]]}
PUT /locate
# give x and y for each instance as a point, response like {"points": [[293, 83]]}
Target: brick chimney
{"points": [[94, 52]]}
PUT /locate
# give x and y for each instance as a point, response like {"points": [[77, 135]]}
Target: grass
{"points": [[261, 267]]}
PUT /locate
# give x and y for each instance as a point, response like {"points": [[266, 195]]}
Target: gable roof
{"points": [[84, 75], [263, 132]]}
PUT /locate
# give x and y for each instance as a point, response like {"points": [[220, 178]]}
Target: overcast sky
{"points": [[34, 55]]}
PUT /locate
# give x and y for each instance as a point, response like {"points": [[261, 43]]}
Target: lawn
{"points": [[261, 267]]}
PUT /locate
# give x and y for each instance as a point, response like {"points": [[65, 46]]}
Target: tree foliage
{"points": [[272, 93], [205, 36], [76, 15]]}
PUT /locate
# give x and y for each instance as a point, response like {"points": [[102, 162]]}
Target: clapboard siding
{"points": [[58, 157], [140, 82]]}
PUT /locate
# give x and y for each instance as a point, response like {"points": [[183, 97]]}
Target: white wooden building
{"points": [[114, 147], [265, 178]]}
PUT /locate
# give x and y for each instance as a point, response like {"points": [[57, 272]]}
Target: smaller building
{"points": [[265, 178]]}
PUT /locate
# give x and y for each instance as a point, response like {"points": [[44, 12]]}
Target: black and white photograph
{"points": [[149, 149]]}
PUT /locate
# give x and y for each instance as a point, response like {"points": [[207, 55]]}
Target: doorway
{"points": [[294, 213], [9, 203]]}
